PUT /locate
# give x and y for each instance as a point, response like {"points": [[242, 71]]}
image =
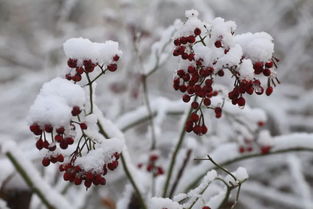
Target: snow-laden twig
{"points": [[281, 144], [48, 195]]}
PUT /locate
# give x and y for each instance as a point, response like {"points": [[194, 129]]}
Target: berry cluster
{"points": [[197, 76], [87, 66], [55, 138], [58, 138], [248, 147], [77, 175], [151, 166]]}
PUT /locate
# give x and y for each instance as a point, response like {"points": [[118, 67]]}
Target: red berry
{"points": [[269, 64], [250, 149], [241, 149], [72, 63], [52, 147], [207, 102], [83, 126], [45, 162], [206, 207], [77, 181], [113, 165], [87, 183], [116, 58], [194, 117], [204, 129], [79, 70], [265, 149], [112, 67], [150, 167], [76, 111], [89, 176], [77, 78], [269, 91], [191, 69], [58, 138], [63, 144], [267, 72], [194, 105], [197, 31], [69, 140], [241, 101], [191, 39], [48, 128], [104, 170], [176, 42], [60, 158], [154, 157], [220, 73], [39, 144], [35, 128], [261, 123], [60, 130], [160, 171], [218, 44], [186, 98]]}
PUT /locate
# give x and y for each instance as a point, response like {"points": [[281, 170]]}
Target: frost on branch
{"points": [[62, 116], [209, 50]]}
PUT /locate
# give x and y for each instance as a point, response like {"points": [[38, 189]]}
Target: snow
{"points": [[53, 197], [102, 154], [55, 101], [161, 203], [246, 70], [83, 49], [258, 47]]}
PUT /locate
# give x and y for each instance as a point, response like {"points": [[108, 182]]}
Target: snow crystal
{"points": [[96, 158], [257, 46], [54, 103], [82, 49], [160, 203], [246, 70]]}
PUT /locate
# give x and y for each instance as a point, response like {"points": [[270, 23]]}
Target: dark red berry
{"points": [[241, 149], [267, 72], [60, 130], [39, 144], [194, 105], [153, 157], [269, 64], [113, 165], [197, 31], [63, 144], [76, 111], [116, 58], [186, 98], [112, 67], [72, 63], [269, 91], [218, 44], [48, 128], [45, 162], [83, 126], [241, 101], [265, 149]]}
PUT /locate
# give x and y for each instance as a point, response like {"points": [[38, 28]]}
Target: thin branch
{"points": [[174, 155], [180, 172], [29, 181]]}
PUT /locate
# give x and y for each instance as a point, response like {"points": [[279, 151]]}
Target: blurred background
{"points": [[32, 33]]}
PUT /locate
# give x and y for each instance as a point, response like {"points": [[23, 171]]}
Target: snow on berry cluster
{"points": [[211, 50], [84, 56], [60, 116]]}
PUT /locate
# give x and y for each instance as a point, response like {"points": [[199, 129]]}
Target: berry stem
{"points": [[177, 148], [90, 93]]}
